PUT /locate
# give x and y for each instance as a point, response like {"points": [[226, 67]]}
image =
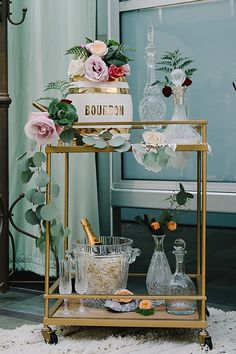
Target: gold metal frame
{"points": [[100, 317]]}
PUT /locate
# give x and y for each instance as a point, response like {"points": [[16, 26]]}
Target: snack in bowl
{"points": [[123, 292]]}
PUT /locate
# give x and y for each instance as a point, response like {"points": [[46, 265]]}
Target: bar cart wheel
{"points": [[205, 339], [49, 335]]}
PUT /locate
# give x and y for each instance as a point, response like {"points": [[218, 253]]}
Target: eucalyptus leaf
{"points": [[37, 211], [48, 212], [31, 162], [26, 176], [40, 241], [29, 194], [162, 158], [117, 141], [67, 135], [38, 158], [89, 140], [100, 144], [67, 231], [42, 179], [149, 158], [105, 135], [31, 217], [38, 198], [55, 190], [57, 230], [125, 147]]}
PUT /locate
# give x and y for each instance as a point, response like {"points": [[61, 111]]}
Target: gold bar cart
{"points": [[53, 315]]}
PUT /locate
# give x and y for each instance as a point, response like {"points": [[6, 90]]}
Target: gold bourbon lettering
{"points": [[93, 110], [104, 110], [87, 110], [99, 110]]}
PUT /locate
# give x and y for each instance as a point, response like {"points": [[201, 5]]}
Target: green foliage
{"points": [[77, 51], [178, 203], [59, 85], [26, 176], [40, 212], [174, 60], [63, 114], [67, 135], [145, 312], [31, 217], [105, 139]]}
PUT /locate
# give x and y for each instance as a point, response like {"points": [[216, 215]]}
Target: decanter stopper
{"points": [[179, 245], [177, 76]]}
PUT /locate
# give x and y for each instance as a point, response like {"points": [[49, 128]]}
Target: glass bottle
{"points": [[180, 284], [152, 106], [180, 133], [90, 234], [159, 273]]}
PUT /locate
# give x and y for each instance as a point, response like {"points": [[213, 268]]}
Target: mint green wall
{"points": [[204, 31]]}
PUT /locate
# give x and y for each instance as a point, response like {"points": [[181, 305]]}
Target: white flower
{"points": [[154, 138], [76, 67], [97, 48]]}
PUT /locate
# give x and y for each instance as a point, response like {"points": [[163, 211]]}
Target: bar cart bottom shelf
{"points": [[106, 318]]}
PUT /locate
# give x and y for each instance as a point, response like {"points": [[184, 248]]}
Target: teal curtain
{"points": [[36, 57]]}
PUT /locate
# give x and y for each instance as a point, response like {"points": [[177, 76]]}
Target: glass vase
{"points": [[180, 133], [159, 273], [180, 284]]}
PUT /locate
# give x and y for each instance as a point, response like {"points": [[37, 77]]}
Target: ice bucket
{"points": [[105, 266]]}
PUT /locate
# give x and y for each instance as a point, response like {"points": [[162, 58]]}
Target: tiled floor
{"points": [[22, 306]]}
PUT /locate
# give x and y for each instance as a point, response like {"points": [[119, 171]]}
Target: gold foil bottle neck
{"points": [[91, 236]]}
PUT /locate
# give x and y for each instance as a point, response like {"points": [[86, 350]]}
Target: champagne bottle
{"points": [[91, 236]]}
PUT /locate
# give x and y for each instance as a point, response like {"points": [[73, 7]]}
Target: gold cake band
{"points": [[99, 130], [75, 90], [81, 78]]}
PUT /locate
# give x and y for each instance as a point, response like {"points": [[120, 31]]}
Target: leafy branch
{"points": [[59, 85], [40, 212]]}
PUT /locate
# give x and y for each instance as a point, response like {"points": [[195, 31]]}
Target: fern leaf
{"points": [[185, 63], [59, 85], [45, 99], [88, 40], [77, 51], [189, 72], [165, 62], [165, 69]]}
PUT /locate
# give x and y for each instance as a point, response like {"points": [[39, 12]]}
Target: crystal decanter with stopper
{"points": [[180, 133], [180, 284], [159, 273], [152, 106]]}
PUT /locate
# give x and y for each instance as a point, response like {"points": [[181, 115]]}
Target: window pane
{"points": [[205, 32]]}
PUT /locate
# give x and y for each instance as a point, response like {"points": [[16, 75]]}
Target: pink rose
{"points": [[116, 71], [95, 69], [41, 128]]}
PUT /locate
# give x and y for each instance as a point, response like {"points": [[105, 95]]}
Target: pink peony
{"points": [[95, 69], [41, 128], [116, 71]]}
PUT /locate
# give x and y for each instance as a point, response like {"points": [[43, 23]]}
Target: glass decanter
{"points": [[159, 273], [180, 284], [152, 106], [180, 133]]}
